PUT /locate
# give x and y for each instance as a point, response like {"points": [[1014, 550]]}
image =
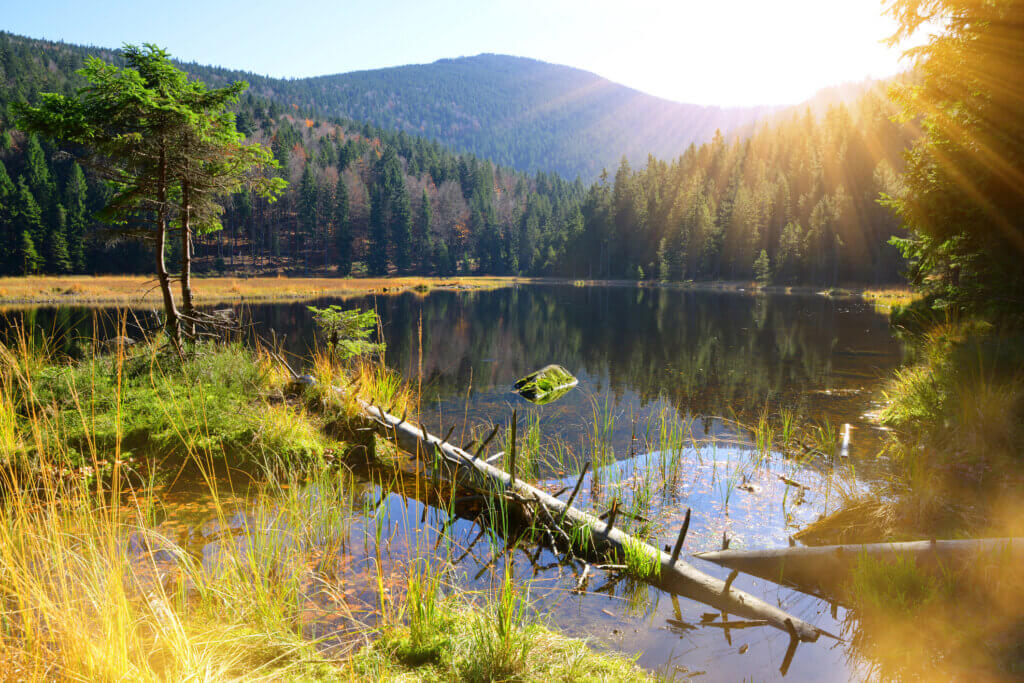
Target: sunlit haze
{"points": [[729, 52]]}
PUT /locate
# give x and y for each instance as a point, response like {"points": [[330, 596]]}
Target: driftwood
{"points": [[563, 523], [824, 570]]}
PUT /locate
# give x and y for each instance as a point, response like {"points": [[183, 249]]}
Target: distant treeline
{"points": [[795, 202]]}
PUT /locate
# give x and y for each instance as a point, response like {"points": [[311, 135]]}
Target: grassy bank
{"points": [[100, 583], [134, 290], [127, 290]]}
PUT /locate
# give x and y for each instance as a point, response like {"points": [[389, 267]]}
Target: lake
{"points": [[705, 362]]}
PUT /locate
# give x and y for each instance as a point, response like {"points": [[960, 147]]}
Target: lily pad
{"points": [[548, 384]]}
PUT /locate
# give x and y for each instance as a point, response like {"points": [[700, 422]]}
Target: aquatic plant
{"points": [[348, 331], [638, 562]]}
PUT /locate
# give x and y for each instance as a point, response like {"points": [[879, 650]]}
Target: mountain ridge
{"points": [[519, 112]]}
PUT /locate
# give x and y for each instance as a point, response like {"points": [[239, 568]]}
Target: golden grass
{"points": [[137, 289], [888, 298], [96, 587]]}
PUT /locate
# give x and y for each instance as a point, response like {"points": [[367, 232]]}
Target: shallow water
{"points": [[701, 359]]}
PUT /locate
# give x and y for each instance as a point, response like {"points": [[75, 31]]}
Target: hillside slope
{"points": [[523, 113]]}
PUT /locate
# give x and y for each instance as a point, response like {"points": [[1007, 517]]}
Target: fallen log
{"points": [[674, 575], [824, 570]]}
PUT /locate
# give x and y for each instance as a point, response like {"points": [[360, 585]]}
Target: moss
{"points": [[546, 385]]}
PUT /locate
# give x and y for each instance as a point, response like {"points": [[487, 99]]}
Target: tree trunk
{"points": [[826, 570], [674, 575], [186, 256], [173, 323]]}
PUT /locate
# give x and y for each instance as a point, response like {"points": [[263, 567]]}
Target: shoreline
{"points": [[137, 290]]}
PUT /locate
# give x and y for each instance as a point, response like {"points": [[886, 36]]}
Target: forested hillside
{"points": [[517, 112], [796, 202]]}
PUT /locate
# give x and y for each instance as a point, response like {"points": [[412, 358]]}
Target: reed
{"points": [[97, 586]]}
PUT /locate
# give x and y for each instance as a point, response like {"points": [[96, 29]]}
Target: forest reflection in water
{"points": [[636, 351]]}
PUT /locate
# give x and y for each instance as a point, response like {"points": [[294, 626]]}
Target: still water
{"points": [[708, 361]]}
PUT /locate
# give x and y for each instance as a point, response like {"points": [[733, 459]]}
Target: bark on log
{"points": [[675, 576], [823, 570]]}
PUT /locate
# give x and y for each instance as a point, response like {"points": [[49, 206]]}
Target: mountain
{"points": [[522, 113], [518, 112], [792, 197]]}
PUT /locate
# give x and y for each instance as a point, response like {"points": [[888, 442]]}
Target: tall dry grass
{"points": [[137, 290]]}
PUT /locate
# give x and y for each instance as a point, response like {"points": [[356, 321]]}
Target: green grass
{"points": [[638, 562], [220, 402], [79, 607], [497, 637]]}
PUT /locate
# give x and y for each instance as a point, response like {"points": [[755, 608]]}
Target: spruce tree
{"points": [[423, 240], [152, 133], [75, 197], [377, 250], [664, 268], [129, 120], [28, 217], [308, 214], [962, 183], [762, 268], [401, 230], [37, 173], [26, 255], [55, 246], [342, 227], [9, 234]]}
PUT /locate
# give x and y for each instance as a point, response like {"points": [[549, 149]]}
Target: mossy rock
{"points": [[546, 385]]}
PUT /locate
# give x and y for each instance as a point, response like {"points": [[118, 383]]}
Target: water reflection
{"points": [[702, 354], [696, 356]]}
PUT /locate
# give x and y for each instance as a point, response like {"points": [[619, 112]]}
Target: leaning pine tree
{"points": [[162, 141], [213, 162]]}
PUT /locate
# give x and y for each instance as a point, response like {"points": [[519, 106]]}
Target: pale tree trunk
{"points": [[172, 324]]}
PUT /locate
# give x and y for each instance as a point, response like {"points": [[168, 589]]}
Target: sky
{"points": [[716, 52]]}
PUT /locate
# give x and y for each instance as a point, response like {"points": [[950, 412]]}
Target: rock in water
{"points": [[548, 384]]}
